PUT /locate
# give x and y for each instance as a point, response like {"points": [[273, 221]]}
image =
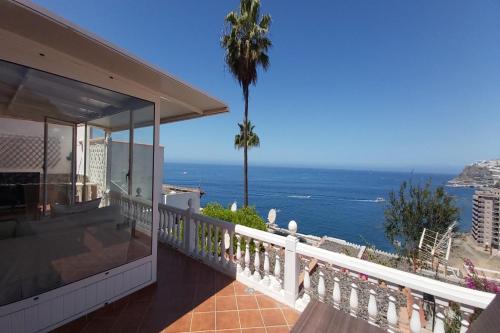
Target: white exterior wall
{"points": [[180, 200]]}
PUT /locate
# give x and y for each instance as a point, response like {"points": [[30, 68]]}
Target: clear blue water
{"points": [[337, 203]]}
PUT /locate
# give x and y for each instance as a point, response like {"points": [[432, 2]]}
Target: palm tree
{"points": [[253, 138], [246, 44]]}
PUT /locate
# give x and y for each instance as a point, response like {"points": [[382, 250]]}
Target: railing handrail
{"points": [[239, 229], [263, 236], [208, 219], [124, 196], [443, 291], [446, 291], [172, 208]]}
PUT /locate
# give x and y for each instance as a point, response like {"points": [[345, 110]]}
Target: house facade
{"points": [[80, 167]]}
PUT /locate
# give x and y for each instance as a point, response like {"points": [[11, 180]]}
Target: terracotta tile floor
{"points": [[189, 297]]}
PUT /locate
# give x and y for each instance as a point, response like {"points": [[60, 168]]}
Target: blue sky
{"points": [[353, 84]]}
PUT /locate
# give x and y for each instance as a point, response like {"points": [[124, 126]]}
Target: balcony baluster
{"points": [[415, 325], [392, 315], [266, 280], [209, 241], [231, 248], [439, 325], [336, 294], [203, 239], [372, 308], [464, 326], [353, 300], [216, 244], [256, 263], [196, 237], [277, 272], [321, 283], [180, 226], [239, 269], [247, 258]]}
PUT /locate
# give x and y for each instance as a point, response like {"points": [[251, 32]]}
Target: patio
{"points": [[189, 297]]}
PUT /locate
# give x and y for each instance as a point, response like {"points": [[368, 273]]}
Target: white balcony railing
{"points": [[277, 265], [136, 210]]}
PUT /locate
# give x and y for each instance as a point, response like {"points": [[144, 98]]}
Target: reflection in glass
{"points": [[76, 166]]}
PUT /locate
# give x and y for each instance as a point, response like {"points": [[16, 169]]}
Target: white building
{"points": [[80, 167]]}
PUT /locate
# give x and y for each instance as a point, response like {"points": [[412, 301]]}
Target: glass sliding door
{"points": [[76, 181], [142, 171]]}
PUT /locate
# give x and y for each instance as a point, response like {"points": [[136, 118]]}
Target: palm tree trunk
{"points": [[245, 147]]}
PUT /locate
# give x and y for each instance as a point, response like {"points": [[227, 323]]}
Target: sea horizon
{"points": [[424, 169], [339, 203]]}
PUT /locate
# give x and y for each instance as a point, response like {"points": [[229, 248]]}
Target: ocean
{"points": [[336, 203]]}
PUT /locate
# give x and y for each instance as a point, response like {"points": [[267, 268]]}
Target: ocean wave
{"points": [[363, 200], [300, 196]]}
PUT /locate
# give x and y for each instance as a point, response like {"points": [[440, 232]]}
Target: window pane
{"points": [[59, 150], [84, 215]]}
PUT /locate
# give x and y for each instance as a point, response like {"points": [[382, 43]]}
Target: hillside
{"points": [[483, 173]]}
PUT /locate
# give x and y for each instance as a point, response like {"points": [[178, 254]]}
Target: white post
{"points": [[291, 265], [415, 325], [336, 295], [247, 257], [321, 283], [266, 280], [392, 315], [372, 308], [439, 326], [238, 254], [353, 300], [256, 262], [277, 271]]}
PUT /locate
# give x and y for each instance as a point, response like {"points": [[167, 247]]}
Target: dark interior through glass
{"points": [[73, 202]]}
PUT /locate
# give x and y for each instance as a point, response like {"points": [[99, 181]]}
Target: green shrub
{"points": [[246, 216]]}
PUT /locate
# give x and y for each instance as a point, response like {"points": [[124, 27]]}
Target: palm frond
{"points": [[246, 42], [253, 139]]}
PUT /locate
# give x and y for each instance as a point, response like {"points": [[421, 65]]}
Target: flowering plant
{"points": [[474, 281], [363, 276]]}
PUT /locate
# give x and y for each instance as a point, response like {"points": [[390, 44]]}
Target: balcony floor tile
{"points": [[189, 297]]}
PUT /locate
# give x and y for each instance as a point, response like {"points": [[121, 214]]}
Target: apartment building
{"points": [[485, 218]]}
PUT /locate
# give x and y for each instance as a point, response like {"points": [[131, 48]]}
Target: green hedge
{"points": [[246, 216]]}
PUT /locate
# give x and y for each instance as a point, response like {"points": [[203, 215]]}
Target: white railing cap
{"points": [[171, 208], [415, 282], [263, 236]]}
